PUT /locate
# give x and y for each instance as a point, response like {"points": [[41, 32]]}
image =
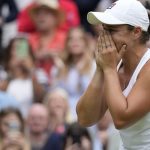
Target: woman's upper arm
{"points": [[138, 99]]}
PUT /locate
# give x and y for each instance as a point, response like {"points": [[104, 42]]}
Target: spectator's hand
{"points": [[28, 63], [58, 62], [40, 55], [44, 54]]}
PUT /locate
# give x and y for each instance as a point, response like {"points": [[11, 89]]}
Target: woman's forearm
{"points": [[91, 106], [117, 103]]}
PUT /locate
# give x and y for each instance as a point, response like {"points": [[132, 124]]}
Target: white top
{"points": [[22, 90], [75, 84], [137, 136]]}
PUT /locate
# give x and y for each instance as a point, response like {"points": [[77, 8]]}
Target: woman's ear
{"points": [[137, 32]]}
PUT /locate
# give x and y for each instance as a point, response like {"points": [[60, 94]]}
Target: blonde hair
{"points": [[61, 92]]}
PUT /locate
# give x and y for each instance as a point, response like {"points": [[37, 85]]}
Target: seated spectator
{"points": [[57, 103], [77, 138], [75, 70], [39, 135], [72, 18], [12, 136], [19, 64], [47, 40]]}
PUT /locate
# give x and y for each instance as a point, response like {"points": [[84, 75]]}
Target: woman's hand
{"points": [[106, 54]]}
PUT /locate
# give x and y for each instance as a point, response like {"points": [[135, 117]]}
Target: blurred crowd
{"points": [[46, 63]]}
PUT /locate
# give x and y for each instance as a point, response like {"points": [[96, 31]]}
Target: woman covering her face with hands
{"points": [[124, 91]]}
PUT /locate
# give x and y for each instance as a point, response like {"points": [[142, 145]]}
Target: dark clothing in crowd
{"points": [[13, 11], [54, 142], [84, 7]]}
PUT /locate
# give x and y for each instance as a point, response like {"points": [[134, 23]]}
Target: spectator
{"points": [[75, 71], [19, 51], [12, 134], [77, 138], [72, 18], [39, 135], [57, 103], [20, 66], [37, 124], [48, 39]]}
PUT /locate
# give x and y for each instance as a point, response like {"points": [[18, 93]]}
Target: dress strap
{"points": [[133, 79]]}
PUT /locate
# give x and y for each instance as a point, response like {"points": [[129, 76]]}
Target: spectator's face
{"points": [[76, 42], [19, 52], [57, 105], [38, 119], [45, 19], [4, 125]]}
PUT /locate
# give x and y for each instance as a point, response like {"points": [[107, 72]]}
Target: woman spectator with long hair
{"points": [[76, 67], [19, 63]]}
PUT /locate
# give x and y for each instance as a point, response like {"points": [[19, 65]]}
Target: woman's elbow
{"points": [[85, 122], [83, 118]]}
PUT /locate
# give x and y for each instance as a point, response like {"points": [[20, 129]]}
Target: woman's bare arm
{"points": [[91, 106], [126, 111]]}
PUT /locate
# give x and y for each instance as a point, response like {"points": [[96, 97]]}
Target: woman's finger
{"points": [[103, 45], [107, 40], [111, 40]]}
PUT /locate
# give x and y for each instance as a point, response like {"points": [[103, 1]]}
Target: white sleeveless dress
{"points": [[137, 136]]}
